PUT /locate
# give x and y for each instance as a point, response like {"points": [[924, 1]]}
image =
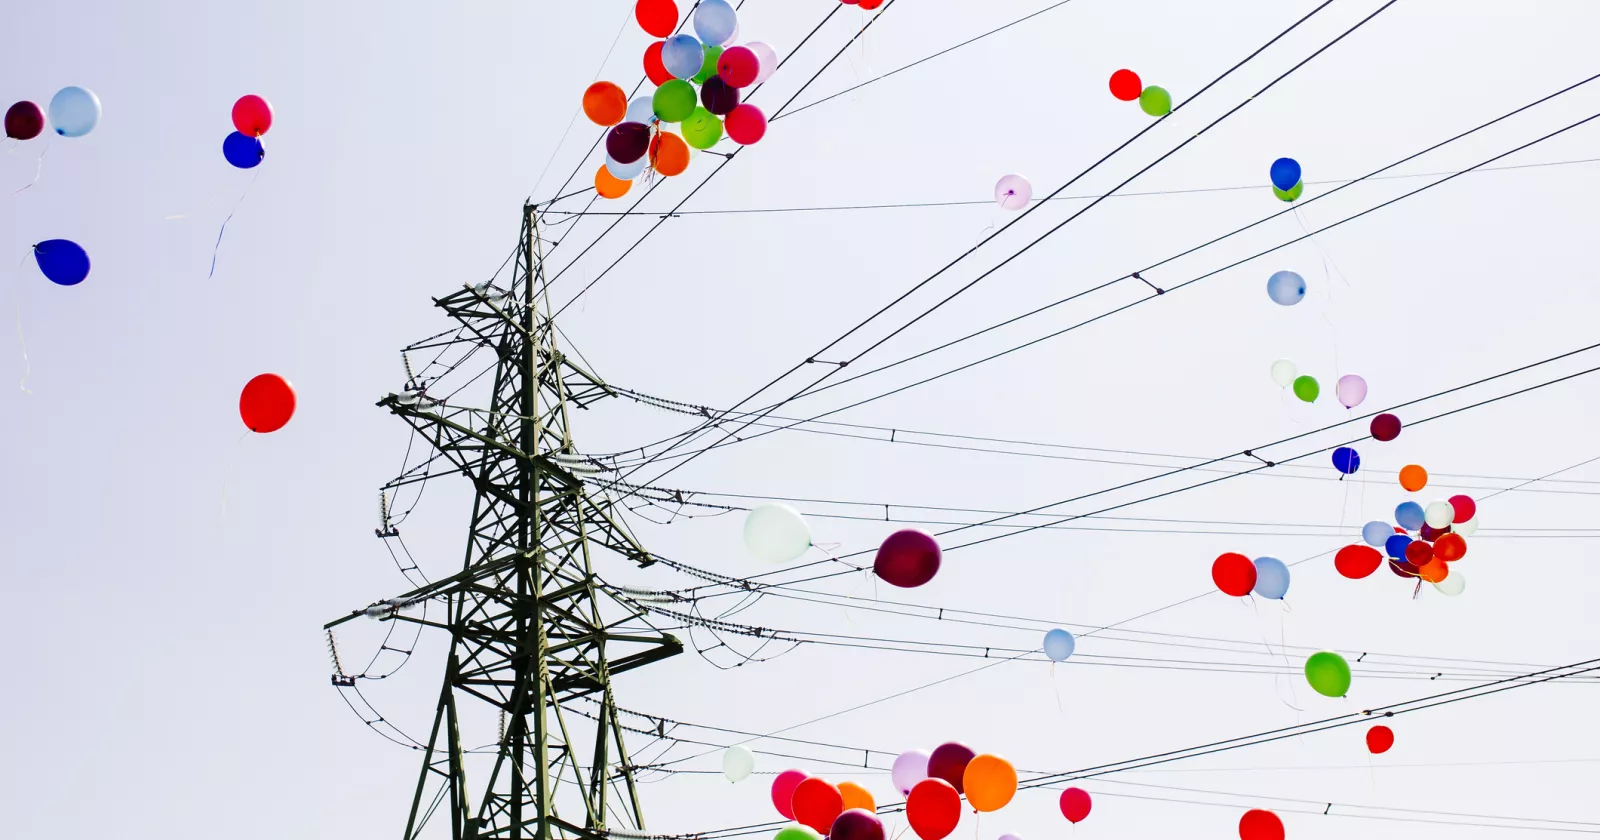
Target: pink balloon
{"points": [[745, 124], [1013, 192], [908, 558], [768, 57], [1352, 390], [783, 791], [1075, 804]]}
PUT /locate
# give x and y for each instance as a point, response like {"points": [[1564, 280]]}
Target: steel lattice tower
{"points": [[532, 629]]}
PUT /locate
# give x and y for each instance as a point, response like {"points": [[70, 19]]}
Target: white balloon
{"points": [[768, 58], [738, 763], [1439, 514], [625, 171], [1284, 372], [1467, 528], [776, 533], [1453, 585], [642, 110]]}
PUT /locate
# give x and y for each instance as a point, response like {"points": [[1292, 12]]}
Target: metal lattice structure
{"points": [[532, 629]]}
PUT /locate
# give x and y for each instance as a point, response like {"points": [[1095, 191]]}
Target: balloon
{"points": [[856, 824], [1289, 195], [1467, 528], [1396, 546], [1380, 739], [714, 21], [657, 17], [708, 65], [783, 791], [933, 808], [1358, 561], [776, 533], [949, 762], [1453, 585], [608, 185], [1464, 508], [1059, 644], [739, 67], [1402, 569], [990, 782], [1385, 427], [796, 832], [252, 115], [1450, 548], [1286, 288], [767, 56], [1346, 460], [1430, 533], [1260, 825], [855, 796], [624, 171], [738, 762], [1285, 173], [1125, 85], [605, 104], [1272, 578], [1328, 673], [63, 261], [683, 56], [1419, 553], [1013, 192], [1413, 478], [669, 155], [74, 111], [1155, 101], [718, 97], [266, 403], [242, 151], [1351, 389], [702, 129], [1439, 514], [628, 142], [1234, 574], [1284, 372], [654, 69], [1376, 533], [1307, 389], [907, 559], [909, 768], [1409, 516], [674, 101], [641, 110], [1434, 571], [1075, 804], [869, 5], [24, 121], [746, 124]]}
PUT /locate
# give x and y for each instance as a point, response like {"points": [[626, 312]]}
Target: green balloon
{"points": [[709, 68], [796, 832], [1328, 673], [1307, 389], [674, 101], [1293, 193], [702, 129], [1156, 101]]}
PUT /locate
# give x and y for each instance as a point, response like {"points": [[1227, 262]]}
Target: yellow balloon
{"points": [[856, 796], [990, 781]]}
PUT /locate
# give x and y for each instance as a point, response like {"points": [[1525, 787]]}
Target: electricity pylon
{"points": [[532, 630]]}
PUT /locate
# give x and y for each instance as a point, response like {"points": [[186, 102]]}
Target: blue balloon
{"points": [[62, 260], [1059, 644], [641, 110], [626, 171], [683, 56], [715, 21], [1396, 546], [243, 151], [1286, 288], [74, 111], [1376, 534], [1272, 578], [1409, 515], [1346, 460], [1285, 173]]}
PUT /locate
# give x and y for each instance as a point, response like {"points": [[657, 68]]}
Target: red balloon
{"points": [[1385, 427], [746, 124], [1450, 548], [949, 762], [1380, 739], [1260, 825], [738, 66], [816, 804], [856, 824], [252, 115], [1357, 561], [907, 558], [869, 5], [24, 121], [783, 791], [933, 809], [267, 403], [657, 17], [1402, 569], [1465, 507], [1126, 86], [1418, 553], [654, 67], [1234, 574], [1075, 804]]}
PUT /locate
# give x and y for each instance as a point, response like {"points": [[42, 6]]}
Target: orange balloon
{"points": [[1450, 548], [1434, 570], [989, 781], [1413, 477], [669, 155], [605, 103], [608, 185], [856, 796]]}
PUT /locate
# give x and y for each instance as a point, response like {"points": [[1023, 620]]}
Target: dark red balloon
{"points": [[1385, 427], [267, 403], [1380, 739], [1430, 533], [718, 96], [657, 17], [933, 809], [1260, 825], [252, 115], [1418, 553], [628, 142], [1234, 574], [739, 66], [654, 67], [907, 558], [1126, 86], [1357, 561], [1402, 569], [856, 824], [24, 121], [949, 762]]}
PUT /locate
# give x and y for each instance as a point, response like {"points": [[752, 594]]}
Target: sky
{"points": [[169, 573]]}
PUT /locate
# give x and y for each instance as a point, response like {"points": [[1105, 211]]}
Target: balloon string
{"points": [[224, 229], [38, 169], [27, 367]]}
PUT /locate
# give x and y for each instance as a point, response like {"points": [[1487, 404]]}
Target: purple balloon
{"points": [[1352, 390], [856, 824], [628, 142], [911, 767], [906, 559], [949, 762]]}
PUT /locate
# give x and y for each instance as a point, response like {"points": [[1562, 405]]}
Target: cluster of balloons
{"points": [[267, 403], [676, 64], [908, 558], [252, 116], [1350, 389], [1238, 575], [776, 533], [1286, 182], [841, 812], [1126, 86], [934, 783], [74, 111], [1441, 529]]}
